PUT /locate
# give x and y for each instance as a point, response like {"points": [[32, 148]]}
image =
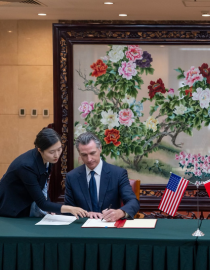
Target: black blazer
{"points": [[22, 184]]}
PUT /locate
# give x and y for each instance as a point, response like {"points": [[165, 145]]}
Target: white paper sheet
{"points": [[56, 220], [98, 223], [140, 223]]}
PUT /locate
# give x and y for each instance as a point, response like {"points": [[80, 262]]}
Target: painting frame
{"points": [[65, 36]]}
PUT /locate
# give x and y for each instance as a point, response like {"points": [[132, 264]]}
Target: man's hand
{"points": [[112, 215], [95, 215]]}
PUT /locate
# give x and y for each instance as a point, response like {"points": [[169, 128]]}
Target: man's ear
{"points": [[39, 150]]}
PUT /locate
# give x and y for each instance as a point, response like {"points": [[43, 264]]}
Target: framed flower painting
{"points": [[145, 111]]}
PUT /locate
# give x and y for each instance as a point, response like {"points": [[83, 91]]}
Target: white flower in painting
{"points": [[179, 110], [116, 53], [110, 118], [118, 47], [115, 56], [203, 96], [79, 130], [128, 99]]}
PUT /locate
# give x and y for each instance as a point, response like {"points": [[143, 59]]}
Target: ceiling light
{"points": [[195, 49], [205, 14], [108, 3], [42, 14], [9, 31], [123, 15], [162, 46]]}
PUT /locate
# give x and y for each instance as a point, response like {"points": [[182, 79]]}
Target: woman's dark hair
{"points": [[46, 138]]}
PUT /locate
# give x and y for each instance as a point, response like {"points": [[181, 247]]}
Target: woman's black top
{"points": [[22, 184]]}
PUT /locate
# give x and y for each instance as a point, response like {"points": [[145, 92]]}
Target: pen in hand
{"points": [[107, 209]]}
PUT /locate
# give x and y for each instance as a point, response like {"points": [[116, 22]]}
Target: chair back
{"points": [[135, 184]]}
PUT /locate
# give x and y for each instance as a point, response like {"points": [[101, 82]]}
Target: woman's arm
{"points": [[31, 183]]}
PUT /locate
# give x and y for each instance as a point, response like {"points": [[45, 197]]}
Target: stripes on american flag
{"points": [[173, 194]]}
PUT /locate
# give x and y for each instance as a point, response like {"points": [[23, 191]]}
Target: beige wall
{"points": [[26, 81]]}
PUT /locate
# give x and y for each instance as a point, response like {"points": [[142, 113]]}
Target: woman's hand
{"points": [[76, 211]]}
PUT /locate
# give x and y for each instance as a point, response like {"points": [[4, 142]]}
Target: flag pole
{"points": [[198, 232]]}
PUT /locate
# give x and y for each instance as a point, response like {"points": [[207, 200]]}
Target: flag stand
{"points": [[198, 232]]}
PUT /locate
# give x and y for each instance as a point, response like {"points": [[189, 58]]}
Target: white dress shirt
{"points": [[97, 175]]}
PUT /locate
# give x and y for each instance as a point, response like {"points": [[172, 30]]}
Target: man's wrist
{"points": [[126, 215]]}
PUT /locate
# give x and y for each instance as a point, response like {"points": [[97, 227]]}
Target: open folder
{"points": [[135, 223]]}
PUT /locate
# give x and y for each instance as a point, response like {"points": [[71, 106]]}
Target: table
{"points": [[24, 246], [203, 249]]}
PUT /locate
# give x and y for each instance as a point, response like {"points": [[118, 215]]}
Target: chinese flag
{"points": [[207, 186]]}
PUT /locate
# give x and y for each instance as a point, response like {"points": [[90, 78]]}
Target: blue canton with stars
{"points": [[173, 182]]}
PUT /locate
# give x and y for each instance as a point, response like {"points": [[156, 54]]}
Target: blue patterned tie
{"points": [[93, 192]]}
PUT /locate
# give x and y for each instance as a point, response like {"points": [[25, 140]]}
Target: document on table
{"points": [[98, 223], [140, 223], [56, 220], [135, 223]]}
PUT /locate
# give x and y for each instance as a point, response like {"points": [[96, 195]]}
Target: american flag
{"points": [[173, 194]]}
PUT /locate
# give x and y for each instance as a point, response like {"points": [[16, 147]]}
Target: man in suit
{"points": [[97, 186]]}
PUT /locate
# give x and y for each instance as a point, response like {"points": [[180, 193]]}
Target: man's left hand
{"points": [[112, 215], [95, 215]]}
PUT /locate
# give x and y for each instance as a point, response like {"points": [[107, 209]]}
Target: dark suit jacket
{"points": [[22, 184], [114, 188]]}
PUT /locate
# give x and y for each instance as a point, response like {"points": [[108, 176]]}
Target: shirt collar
{"points": [[97, 169]]}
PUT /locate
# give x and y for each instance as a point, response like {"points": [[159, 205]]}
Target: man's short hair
{"points": [[85, 139]]}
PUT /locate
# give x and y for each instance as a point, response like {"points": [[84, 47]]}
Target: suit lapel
{"points": [[104, 182], [84, 186]]}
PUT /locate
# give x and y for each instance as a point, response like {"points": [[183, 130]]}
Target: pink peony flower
{"points": [[193, 75], [126, 117], [134, 52], [86, 108], [199, 155], [203, 96], [171, 92], [195, 156], [127, 70]]}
